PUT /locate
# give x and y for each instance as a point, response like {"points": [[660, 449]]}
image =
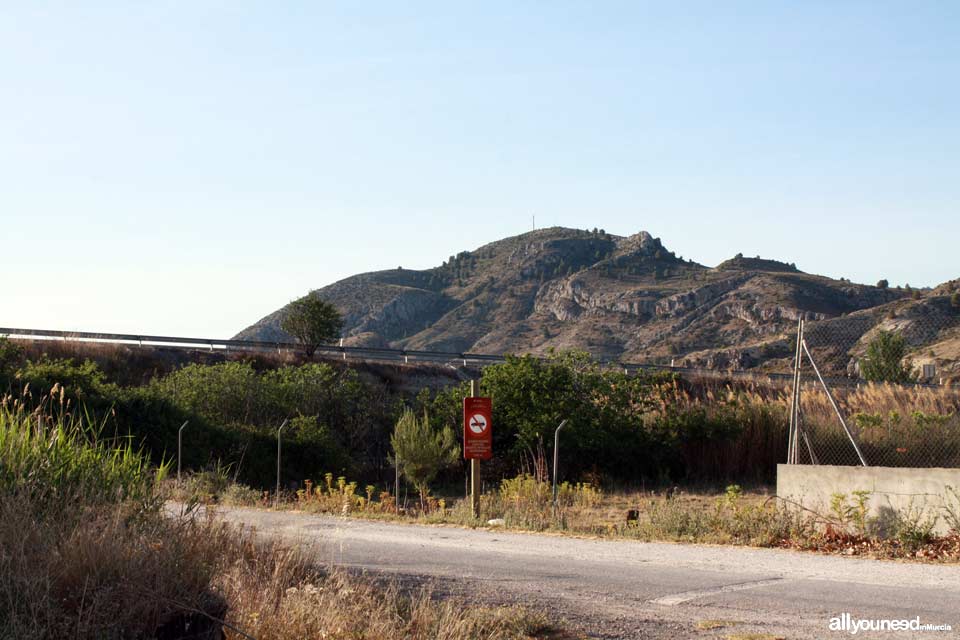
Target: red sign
{"points": [[477, 428]]}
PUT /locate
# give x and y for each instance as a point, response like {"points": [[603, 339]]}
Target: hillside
{"points": [[629, 298]]}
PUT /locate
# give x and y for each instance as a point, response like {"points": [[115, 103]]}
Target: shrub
{"points": [[338, 421], [10, 356], [884, 359], [421, 451]]}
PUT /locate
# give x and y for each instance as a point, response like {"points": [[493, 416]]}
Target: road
{"points": [[455, 360], [616, 589]]}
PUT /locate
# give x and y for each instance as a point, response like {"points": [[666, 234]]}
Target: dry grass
{"points": [[100, 572], [897, 425], [113, 572], [276, 595], [710, 625]]}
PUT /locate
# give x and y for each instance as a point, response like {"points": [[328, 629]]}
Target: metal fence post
{"points": [[180, 449], [556, 458], [396, 479], [276, 498], [795, 398]]}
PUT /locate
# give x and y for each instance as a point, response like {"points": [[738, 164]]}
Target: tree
{"points": [[312, 322], [883, 284], [955, 301], [422, 451], [884, 359]]}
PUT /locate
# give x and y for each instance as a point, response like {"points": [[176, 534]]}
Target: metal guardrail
{"points": [[257, 345], [369, 353]]}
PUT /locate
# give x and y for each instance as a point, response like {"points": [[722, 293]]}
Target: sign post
{"points": [[477, 439]]}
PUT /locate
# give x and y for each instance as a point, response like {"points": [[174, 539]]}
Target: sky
{"points": [[184, 168]]}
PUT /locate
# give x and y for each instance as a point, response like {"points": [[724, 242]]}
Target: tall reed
{"points": [[49, 452]]}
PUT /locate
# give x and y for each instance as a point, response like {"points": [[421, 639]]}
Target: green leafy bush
{"points": [[884, 359]]}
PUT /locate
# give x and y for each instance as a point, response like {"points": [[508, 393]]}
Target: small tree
{"points": [[422, 451], [884, 359], [883, 284], [955, 301], [312, 322]]}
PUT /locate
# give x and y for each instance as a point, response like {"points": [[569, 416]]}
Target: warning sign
{"points": [[477, 428], [477, 423]]}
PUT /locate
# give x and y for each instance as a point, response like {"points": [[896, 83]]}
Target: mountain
{"points": [[627, 298]]}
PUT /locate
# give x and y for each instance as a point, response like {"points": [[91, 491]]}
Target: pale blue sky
{"points": [[185, 168]]}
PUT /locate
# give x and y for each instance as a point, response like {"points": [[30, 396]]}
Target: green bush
{"points": [[337, 420], [605, 433], [11, 355], [884, 359]]}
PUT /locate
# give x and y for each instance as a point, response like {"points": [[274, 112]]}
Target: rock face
{"points": [[619, 297]]}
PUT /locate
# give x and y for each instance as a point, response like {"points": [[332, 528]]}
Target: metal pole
{"points": [[180, 448], [806, 439], [799, 391], [833, 402], [276, 498], [474, 470], [556, 457], [794, 397]]}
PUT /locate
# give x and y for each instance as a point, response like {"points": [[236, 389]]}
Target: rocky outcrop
{"points": [[407, 313], [682, 303]]}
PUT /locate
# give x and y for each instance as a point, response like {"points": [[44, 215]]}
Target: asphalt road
{"points": [[627, 589]]}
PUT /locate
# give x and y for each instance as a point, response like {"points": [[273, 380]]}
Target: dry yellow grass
{"points": [[710, 625], [275, 596], [116, 572]]}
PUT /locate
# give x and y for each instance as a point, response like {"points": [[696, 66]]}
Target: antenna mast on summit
{"points": [[534, 220]]}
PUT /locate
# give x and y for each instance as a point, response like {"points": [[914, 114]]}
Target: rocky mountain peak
{"points": [[614, 296], [641, 242]]}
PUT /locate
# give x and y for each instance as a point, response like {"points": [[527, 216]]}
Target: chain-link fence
{"points": [[878, 391]]}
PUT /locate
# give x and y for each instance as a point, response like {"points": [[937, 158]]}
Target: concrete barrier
{"points": [[923, 492]]}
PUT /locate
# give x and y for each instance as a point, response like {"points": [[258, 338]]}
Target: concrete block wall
{"points": [[891, 488]]}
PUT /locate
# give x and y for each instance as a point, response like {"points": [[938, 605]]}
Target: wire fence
{"points": [[878, 392]]}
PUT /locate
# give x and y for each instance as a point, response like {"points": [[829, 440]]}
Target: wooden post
{"points": [[474, 469]]}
